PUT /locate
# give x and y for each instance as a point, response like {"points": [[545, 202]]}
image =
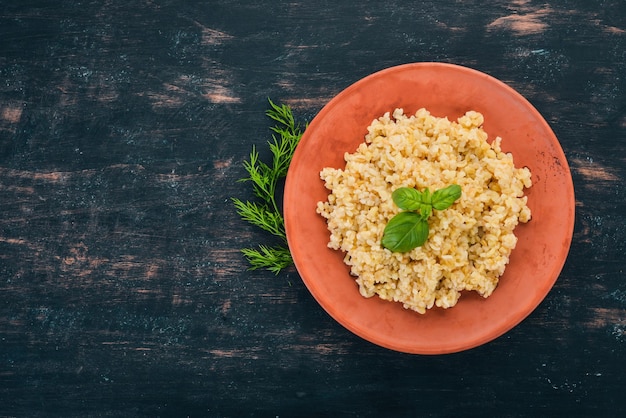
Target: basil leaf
{"points": [[426, 211], [404, 232], [409, 229], [407, 198], [427, 196], [444, 198]]}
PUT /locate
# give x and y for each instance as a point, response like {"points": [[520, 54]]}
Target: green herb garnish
{"points": [[409, 229], [265, 178]]}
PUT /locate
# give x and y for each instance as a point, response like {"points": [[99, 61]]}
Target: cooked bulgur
{"points": [[469, 244]]}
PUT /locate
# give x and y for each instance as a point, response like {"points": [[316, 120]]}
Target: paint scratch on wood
{"points": [[11, 114], [603, 317], [211, 36], [532, 23], [593, 171]]}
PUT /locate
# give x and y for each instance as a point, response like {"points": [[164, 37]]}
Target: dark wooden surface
{"points": [[123, 127]]}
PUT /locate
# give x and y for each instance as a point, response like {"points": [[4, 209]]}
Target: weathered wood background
{"points": [[123, 128]]}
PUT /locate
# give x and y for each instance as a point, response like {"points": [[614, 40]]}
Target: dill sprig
{"points": [[265, 213]]}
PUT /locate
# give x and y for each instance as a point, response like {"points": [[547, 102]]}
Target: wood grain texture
{"points": [[123, 128]]}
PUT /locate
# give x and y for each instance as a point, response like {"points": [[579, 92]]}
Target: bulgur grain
{"points": [[469, 244]]}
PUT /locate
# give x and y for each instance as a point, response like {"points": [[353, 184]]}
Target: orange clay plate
{"points": [[446, 91]]}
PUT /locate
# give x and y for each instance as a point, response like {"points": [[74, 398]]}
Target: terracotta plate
{"points": [[535, 264]]}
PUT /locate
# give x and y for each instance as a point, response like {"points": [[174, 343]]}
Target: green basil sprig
{"points": [[409, 229]]}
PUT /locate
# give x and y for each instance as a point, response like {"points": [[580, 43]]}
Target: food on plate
{"points": [[468, 244]]}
